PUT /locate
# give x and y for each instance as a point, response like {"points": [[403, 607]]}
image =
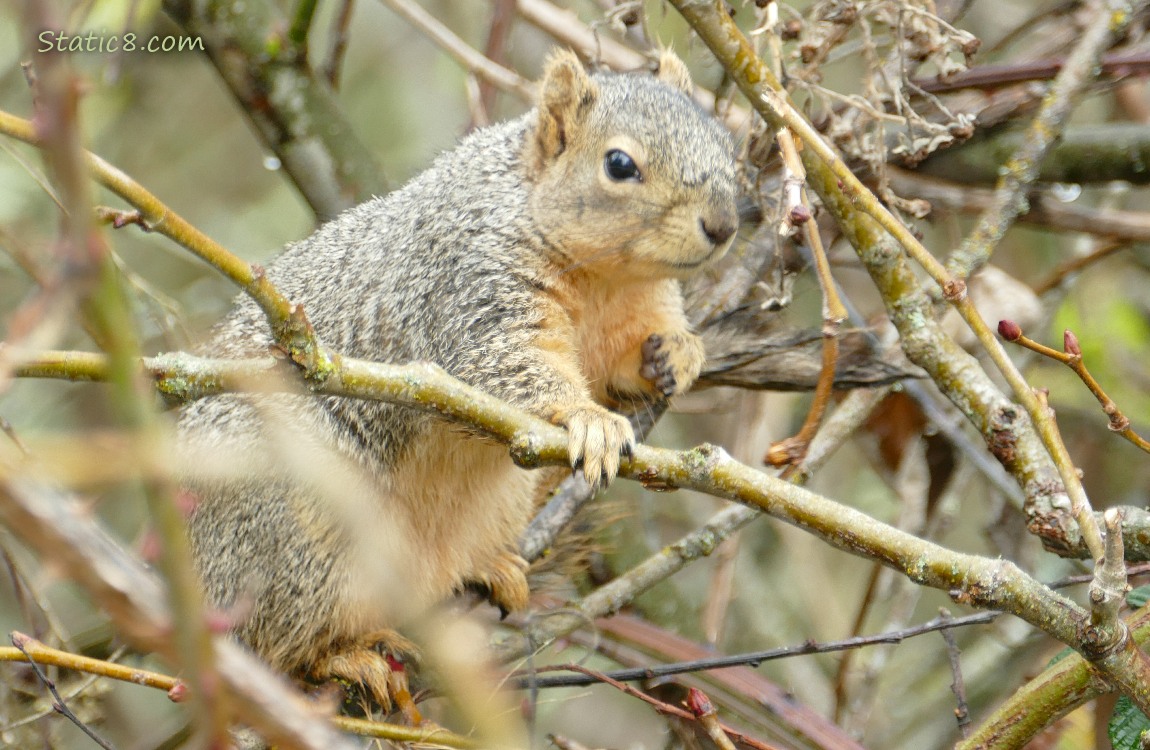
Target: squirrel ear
{"points": [[565, 96], [673, 72]]}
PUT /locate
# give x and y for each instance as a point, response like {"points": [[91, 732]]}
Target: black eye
{"points": [[620, 167]]}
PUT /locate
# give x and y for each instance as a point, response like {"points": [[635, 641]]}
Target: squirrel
{"points": [[539, 261]]}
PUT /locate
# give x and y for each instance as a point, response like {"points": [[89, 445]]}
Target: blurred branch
{"points": [[498, 32], [301, 25], [1021, 169], [339, 38], [288, 321], [105, 303], [471, 59], [295, 113], [1044, 209], [1114, 65], [64, 531], [566, 27], [1070, 268], [31, 650], [660, 706], [1100, 152]]}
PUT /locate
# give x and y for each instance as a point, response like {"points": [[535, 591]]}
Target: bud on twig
{"points": [[1009, 330], [1070, 343], [699, 704]]}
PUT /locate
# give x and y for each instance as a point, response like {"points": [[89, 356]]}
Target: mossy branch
{"points": [[881, 241], [969, 579]]}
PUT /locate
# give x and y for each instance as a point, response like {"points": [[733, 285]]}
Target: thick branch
{"points": [[881, 240], [1100, 152], [969, 579]]}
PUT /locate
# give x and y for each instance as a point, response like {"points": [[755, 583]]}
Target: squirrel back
{"points": [[539, 261]]}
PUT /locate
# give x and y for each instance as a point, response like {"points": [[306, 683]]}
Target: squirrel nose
{"points": [[718, 229]]}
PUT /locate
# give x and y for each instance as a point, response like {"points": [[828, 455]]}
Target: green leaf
{"points": [[1138, 597], [1127, 725]]}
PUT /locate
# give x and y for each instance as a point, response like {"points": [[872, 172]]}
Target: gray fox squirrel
{"points": [[539, 261]]}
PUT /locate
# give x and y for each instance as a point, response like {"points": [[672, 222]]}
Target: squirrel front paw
{"points": [[596, 440], [671, 362]]}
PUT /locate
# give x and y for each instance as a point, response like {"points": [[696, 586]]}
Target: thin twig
{"points": [[957, 686], [30, 649], [339, 39], [470, 58], [59, 705], [502, 19], [798, 212], [752, 658], [1072, 358], [1059, 275], [660, 706]]}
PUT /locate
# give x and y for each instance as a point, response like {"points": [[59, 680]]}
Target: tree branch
{"points": [[1021, 169], [295, 113], [969, 579]]}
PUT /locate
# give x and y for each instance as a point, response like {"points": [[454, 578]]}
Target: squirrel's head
{"points": [[628, 174]]}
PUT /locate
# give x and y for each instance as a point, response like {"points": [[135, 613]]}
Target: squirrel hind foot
{"points": [[503, 583], [376, 665]]}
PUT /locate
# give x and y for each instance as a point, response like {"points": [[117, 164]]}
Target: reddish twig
{"points": [[700, 705], [1072, 358], [339, 36], [660, 706], [792, 450], [1074, 265]]}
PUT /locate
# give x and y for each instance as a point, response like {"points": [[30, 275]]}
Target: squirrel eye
{"points": [[620, 167]]}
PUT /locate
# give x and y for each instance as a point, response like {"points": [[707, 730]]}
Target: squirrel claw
{"points": [[597, 438], [671, 362]]}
